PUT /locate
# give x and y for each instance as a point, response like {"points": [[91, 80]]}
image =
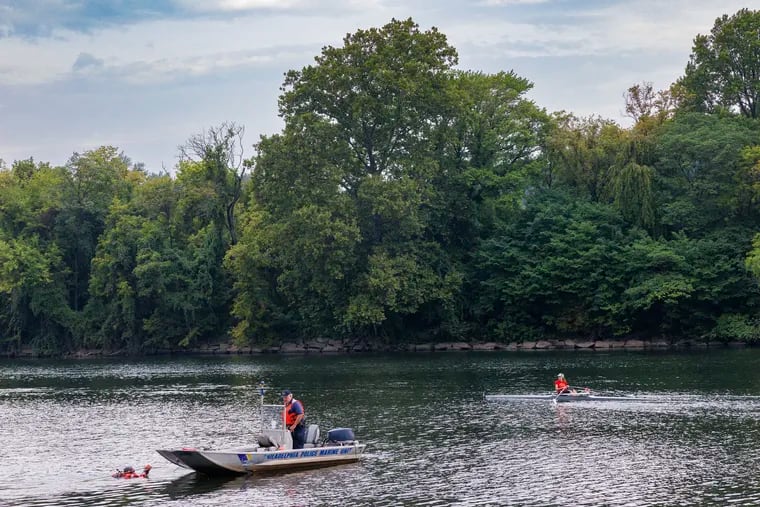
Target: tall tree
{"points": [[33, 275], [553, 269], [724, 67], [93, 180], [219, 151], [382, 91], [350, 182]]}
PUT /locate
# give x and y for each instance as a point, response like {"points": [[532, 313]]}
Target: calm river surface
{"points": [[432, 440]]}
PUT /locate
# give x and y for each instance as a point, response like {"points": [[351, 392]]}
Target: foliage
{"points": [[219, 152], [32, 284], [555, 269], [724, 68], [584, 153], [357, 203], [737, 327], [406, 200], [699, 162], [158, 284]]}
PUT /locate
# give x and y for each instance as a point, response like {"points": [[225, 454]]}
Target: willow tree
{"points": [[748, 181], [583, 153], [634, 193]]}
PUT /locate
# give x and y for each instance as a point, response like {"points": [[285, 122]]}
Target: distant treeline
{"points": [[407, 201]]}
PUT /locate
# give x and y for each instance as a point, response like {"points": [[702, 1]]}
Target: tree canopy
{"points": [[406, 200], [724, 67]]}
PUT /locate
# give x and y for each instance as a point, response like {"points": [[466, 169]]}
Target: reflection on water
{"points": [[65, 426], [194, 484]]}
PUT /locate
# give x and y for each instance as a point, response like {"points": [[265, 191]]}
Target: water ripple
{"points": [[432, 440]]}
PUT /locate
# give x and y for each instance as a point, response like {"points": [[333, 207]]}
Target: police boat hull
{"points": [[272, 450], [249, 460]]}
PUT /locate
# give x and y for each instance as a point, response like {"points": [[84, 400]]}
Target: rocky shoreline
{"points": [[329, 346]]}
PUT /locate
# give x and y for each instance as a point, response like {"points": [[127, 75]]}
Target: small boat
{"points": [[562, 398], [262, 458], [272, 450]]}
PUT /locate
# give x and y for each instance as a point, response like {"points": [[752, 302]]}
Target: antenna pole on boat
{"points": [[262, 392]]}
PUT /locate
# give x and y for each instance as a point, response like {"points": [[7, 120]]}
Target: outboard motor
{"points": [[340, 436]]}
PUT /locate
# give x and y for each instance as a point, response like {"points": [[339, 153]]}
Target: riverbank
{"points": [[329, 346]]}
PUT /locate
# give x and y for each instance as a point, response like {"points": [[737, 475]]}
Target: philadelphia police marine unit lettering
{"points": [[308, 453], [294, 417]]}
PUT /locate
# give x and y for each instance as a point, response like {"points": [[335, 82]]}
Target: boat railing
{"points": [[271, 417]]}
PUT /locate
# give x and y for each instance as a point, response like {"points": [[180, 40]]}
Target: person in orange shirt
{"points": [[293, 414], [561, 385]]}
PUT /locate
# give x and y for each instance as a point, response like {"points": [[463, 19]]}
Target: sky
{"points": [[146, 75]]}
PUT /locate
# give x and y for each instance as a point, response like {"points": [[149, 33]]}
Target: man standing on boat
{"points": [[294, 415]]}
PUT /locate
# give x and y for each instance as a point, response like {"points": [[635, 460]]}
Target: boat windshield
{"points": [[271, 417]]}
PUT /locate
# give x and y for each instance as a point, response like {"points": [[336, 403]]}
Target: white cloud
{"points": [[165, 70], [192, 46], [85, 61], [146, 87], [650, 25], [493, 3], [236, 5]]}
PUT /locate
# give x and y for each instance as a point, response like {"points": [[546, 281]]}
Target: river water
{"points": [[65, 426]]}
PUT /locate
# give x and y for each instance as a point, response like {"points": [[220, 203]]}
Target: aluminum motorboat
{"points": [[272, 450]]}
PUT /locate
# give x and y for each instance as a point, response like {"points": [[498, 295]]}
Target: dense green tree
{"points": [[406, 200], [555, 270], [747, 192], [372, 182], [222, 167], [681, 287], [382, 92], [724, 68], [155, 282], [357, 140], [113, 305], [34, 313], [489, 153], [584, 152], [699, 164], [30, 198], [92, 181], [33, 309]]}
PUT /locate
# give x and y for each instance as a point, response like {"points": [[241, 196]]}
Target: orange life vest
{"points": [[130, 473], [290, 417]]}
